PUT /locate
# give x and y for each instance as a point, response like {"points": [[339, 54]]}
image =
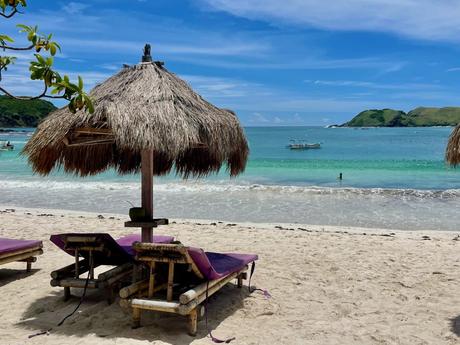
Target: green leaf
{"points": [[6, 38], [40, 59], [80, 83], [89, 104], [52, 49], [25, 28]]}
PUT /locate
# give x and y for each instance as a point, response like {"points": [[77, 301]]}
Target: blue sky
{"points": [[274, 62]]}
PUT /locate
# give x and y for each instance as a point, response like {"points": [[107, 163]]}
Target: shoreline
{"points": [[278, 226]]}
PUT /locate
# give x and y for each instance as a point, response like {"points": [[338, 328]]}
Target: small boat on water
{"points": [[302, 145], [6, 146]]}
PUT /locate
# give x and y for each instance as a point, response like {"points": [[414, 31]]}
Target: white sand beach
{"points": [[329, 285]]}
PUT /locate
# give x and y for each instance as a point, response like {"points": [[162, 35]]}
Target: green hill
{"points": [[419, 117], [22, 113], [448, 116]]}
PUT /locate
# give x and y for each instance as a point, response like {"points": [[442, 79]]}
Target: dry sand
{"points": [[328, 285]]}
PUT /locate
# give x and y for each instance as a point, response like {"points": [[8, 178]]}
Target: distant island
{"points": [[23, 113], [419, 117]]}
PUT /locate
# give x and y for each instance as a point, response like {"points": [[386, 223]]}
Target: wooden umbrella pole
{"points": [[147, 191]]}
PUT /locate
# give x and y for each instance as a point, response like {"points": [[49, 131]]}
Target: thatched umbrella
{"points": [[146, 119], [453, 147]]}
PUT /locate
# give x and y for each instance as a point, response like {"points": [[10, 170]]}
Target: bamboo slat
{"points": [[185, 309], [158, 305], [115, 271], [91, 130], [19, 257], [75, 283], [69, 271], [17, 252], [133, 288]]}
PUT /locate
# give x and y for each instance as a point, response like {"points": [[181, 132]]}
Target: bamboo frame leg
{"points": [[66, 293], [152, 279], [91, 265], [29, 266], [169, 292], [77, 267], [240, 281], [200, 312], [193, 322], [136, 318]]}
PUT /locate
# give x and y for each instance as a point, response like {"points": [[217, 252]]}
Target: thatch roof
{"points": [[453, 147], [142, 107]]}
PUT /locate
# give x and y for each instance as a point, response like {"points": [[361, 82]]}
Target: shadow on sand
{"points": [[95, 316], [455, 325], [8, 275]]}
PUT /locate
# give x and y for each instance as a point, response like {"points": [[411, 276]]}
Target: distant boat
{"points": [[302, 145], [6, 146]]}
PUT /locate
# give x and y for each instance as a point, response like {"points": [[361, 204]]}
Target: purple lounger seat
{"points": [[217, 265], [92, 250], [19, 250]]}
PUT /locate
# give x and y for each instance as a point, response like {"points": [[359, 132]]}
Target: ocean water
{"points": [[392, 177]]}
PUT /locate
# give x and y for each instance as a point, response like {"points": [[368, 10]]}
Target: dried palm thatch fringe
{"points": [[145, 107], [453, 147]]}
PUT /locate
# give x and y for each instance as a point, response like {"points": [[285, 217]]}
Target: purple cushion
{"points": [[217, 265], [8, 245]]}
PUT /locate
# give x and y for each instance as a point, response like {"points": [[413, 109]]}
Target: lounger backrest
{"points": [[174, 253], [105, 249]]}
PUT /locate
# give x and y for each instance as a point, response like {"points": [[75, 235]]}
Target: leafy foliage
{"points": [[42, 67]]}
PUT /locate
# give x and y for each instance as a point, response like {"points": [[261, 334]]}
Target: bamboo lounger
{"points": [[96, 249], [19, 250], [211, 272]]}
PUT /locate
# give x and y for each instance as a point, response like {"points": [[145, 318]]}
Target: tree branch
{"points": [[27, 98], [16, 48], [12, 13]]}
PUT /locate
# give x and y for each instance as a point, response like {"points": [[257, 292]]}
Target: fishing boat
{"points": [[6, 146], [302, 145]]}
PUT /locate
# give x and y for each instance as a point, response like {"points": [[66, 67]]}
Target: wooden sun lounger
{"points": [[163, 261], [91, 251], [12, 250]]}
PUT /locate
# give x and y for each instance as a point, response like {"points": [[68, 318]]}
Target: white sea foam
{"points": [[225, 186]]}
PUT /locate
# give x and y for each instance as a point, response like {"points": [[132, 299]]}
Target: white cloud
{"points": [[314, 63], [296, 118], [74, 7], [453, 69], [221, 89], [374, 85], [421, 19], [258, 118]]}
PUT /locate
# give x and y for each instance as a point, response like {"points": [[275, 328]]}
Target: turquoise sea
{"points": [[392, 177]]}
